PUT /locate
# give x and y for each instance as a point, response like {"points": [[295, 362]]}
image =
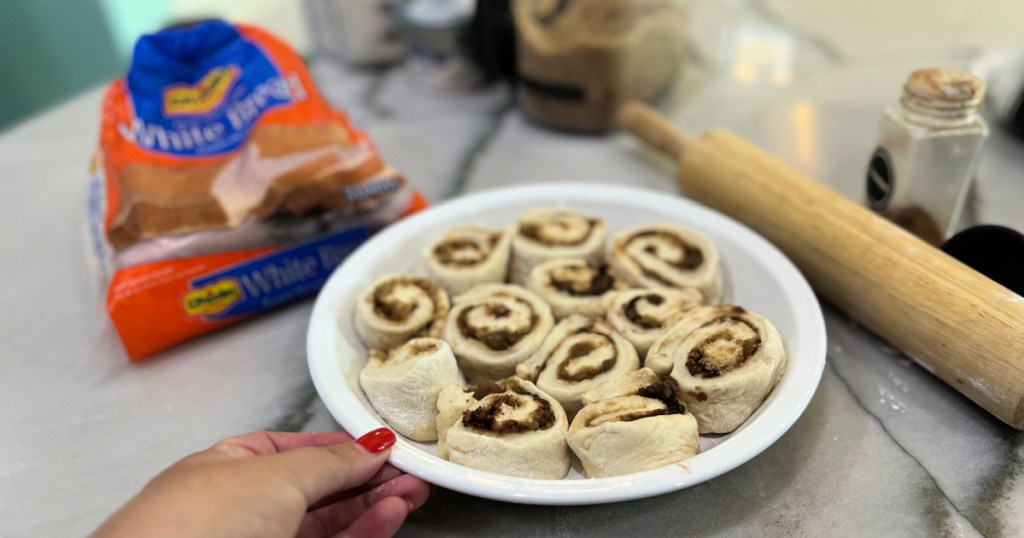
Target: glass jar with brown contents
{"points": [[921, 171], [579, 60]]}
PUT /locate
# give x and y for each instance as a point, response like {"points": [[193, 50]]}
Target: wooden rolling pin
{"points": [[964, 327]]}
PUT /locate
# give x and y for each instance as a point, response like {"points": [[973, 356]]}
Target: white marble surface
{"points": [[884, 448]]}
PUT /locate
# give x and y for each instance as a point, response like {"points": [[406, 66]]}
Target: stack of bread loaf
{"points": [[225, 185]]}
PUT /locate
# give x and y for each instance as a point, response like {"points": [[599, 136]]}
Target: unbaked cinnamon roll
{"points": [[632, 422], [726, 360], [578, 354], [664, 255], [546, 234], [400, 307], [494, 327], [403, 383], [509, 428], [469, 255], [643, 315], [575, 286]]}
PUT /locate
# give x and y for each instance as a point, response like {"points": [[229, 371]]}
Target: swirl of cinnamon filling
{"points": [[400, 307], [574, 286], [546, 234], [511, 428], [469, 255], [726, 359], [632, 422], [663, 255], [643, 315], [730, 341], [494, 327], [578, 354], [510, 411]]}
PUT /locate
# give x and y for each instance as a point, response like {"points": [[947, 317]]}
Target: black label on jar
{"points": [[556, 91], [880, 180]]}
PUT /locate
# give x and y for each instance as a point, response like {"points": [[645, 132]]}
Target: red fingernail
{"points": [[377, 441]]}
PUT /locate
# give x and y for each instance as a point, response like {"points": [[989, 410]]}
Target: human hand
{"points": [[276, 485]]}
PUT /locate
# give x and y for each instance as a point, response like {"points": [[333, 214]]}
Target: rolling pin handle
{"points": [[651, 127]]}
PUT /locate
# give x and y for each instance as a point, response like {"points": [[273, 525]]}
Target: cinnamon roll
{"points": [[632, 422], [469, 255], [400, 307], [545, 234], [663, 255], [578, 355], [726, 360], [575, 286], [509, 428], [403, 383], [494, 327], [643, 315]]}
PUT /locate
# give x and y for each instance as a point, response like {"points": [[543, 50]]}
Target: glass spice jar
{"points": [[920, 173]]}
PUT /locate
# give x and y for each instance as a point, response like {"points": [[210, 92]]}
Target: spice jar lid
{"points": [[950, 86]]}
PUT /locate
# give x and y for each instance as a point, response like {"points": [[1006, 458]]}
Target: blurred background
{"points": [[57, 48], [806, 80]]}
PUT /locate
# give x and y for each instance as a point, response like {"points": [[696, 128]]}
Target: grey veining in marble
{"points": [[884, 448], [430, 135]]}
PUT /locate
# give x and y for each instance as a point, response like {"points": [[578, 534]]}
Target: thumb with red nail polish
{"points": [[377, 441]]}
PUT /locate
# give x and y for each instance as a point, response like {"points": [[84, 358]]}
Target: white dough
{"points": [[469, 255], [546, 234], [452, 402], [665, 255], [578, 354], [399, 307], [517, 431], [608, 445], [643, 315], [494, 327], [632, 422], [575, 286], [726, 361], [402, 385]]}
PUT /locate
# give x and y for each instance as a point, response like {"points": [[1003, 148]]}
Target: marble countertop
{"points": [[884, 448]]}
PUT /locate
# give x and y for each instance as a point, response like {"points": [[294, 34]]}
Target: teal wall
{"points": [[51, 50], [129, 19]]}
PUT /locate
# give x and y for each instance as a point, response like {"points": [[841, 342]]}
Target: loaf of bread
{"points": [[225, 185]]}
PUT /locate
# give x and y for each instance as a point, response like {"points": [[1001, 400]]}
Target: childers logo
{"points": [[204, 96], [221, 128], [212, 299]]}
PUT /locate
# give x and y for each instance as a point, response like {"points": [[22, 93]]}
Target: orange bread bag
{"points": [[224, 184]]}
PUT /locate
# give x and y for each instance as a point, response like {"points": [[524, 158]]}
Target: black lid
{"points": [[994, 251]]}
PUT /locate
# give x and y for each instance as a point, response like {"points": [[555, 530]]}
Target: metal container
{"points": [[438, 35], [359, 32]]}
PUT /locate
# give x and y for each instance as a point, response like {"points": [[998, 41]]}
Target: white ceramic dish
{"points": [[757, 276]]}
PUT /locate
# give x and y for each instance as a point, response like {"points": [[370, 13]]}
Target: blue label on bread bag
{"points": [[198, 91], [271, 280]]}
